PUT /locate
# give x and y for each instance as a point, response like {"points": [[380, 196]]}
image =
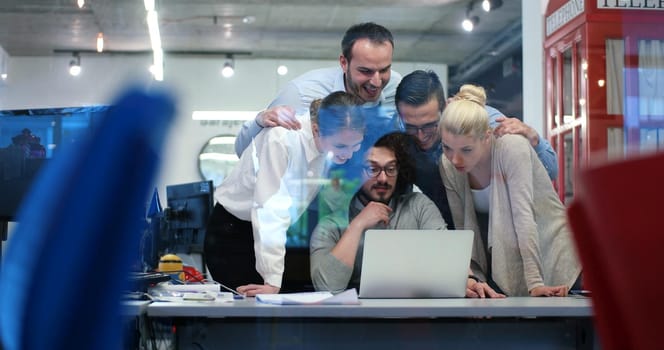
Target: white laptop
{"points": [[415, 263]]}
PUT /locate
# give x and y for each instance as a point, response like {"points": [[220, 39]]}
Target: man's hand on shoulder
{"points": [[283, 116], [515, 126]]}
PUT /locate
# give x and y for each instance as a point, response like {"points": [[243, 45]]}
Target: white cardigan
{"points": [[528, 235]]}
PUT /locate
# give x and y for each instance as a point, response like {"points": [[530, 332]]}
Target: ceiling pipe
{"points": [[495, 51]]}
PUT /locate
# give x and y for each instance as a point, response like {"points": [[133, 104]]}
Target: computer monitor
{"points": [[29, 138], [16, 175], [189, 206], [180, 228]]}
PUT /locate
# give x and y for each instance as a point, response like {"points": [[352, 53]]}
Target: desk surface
{"points": [[381, 308], [134, 307]]}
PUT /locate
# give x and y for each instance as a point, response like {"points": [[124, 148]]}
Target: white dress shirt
{"points": [[318, 83], [271, 186]]}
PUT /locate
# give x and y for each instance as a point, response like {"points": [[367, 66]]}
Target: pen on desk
{"points": [[583, 292]]}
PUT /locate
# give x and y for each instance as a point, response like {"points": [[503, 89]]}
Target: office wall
{"points": [[39, 82], [532, 14]]}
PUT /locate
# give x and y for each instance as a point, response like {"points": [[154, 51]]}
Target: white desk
{"points": [[513, 323], [134, 307]]}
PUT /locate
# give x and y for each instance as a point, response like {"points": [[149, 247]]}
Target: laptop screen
{"points": [[415, 263]]}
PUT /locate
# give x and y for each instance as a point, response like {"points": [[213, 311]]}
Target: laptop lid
{"points": [[415, 263]]}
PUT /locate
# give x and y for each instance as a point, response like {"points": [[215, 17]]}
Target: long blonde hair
{"points": [[466, 114]]}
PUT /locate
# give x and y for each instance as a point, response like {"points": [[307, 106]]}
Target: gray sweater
{"points": [[410, 211], [528, 236]]}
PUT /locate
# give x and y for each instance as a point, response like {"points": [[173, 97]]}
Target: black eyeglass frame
{"points": [[426, 129], [394, 169]]}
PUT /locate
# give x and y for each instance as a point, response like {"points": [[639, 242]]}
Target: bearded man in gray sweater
{"points": [[385, 201]]}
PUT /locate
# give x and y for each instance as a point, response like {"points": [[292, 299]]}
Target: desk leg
{"points": [[147, 337], [158, 333]]}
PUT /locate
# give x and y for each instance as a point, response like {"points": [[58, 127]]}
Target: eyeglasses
{"points": [[374, 171], [427, 129]]}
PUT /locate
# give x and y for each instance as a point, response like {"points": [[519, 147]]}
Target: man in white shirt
{"points": [[364, 71]]}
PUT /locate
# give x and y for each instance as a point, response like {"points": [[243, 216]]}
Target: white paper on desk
{"points": [[320, 298], [218, 297]]}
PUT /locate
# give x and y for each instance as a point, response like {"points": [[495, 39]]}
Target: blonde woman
{"points": [[498, 187]]}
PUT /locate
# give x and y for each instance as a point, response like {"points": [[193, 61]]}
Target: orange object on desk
{"points": [[172, 264]]}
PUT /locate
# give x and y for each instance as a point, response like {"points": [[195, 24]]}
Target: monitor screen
{"points": [[28, 139], [180, 227], [187, 213], [16, 175]]}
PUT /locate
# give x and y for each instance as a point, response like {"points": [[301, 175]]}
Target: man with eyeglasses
{"points": [[420, 100], [385, 200]]}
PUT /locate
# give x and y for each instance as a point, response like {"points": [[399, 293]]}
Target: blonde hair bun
{"points": [[466, 114], [473, 93]]}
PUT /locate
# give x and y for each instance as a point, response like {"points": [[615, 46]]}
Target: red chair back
{"points": [[616, 219]]}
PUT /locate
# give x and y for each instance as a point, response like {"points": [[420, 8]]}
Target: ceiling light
{"points": [[229, 67], [80, 3], [490, 5], [486, 5], [224, 115], [228, 70], [152, 19], [248, 19], [100, 42], [4, 62], [469, 23], [149, 5], [157, 68], [75, 65], [153, 29], [282, 70]]}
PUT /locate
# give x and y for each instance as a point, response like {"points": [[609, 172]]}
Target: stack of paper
{"points": [[348, 297], [194, 292], [189, 287]]}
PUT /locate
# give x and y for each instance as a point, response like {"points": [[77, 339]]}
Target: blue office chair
{"points": [[68, 261]]}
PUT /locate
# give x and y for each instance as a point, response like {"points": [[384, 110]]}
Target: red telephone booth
{"points": [[604, 81]]}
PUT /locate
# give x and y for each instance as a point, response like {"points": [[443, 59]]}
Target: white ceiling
{"points": [[424, 30]]}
